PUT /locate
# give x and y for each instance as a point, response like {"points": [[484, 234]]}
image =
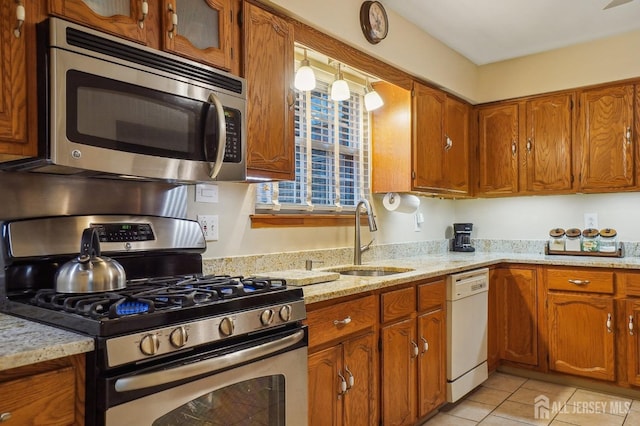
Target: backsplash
{"points": [[251, 264]]}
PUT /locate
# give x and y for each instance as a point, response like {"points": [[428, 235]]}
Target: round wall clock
{"points": [[374, 21]]}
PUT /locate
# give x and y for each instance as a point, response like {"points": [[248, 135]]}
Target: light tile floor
{"points": [[506, 400]]}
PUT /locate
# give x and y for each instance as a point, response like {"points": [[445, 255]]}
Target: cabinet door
{"points": [[581, 335], [13, 82], [203, 32], [517, 314], [428, 141], [632, 319], [605, 128], [325, 402], [548, 145], [399, 373], [456, 146], [432, 362], [498, 149], [493, 328], [121, 18], [361, 364], [270, 114]]}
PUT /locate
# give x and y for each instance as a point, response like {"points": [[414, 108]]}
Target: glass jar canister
{"points": [[608, 240], [590, 239], [556, 239], [573, 240]]}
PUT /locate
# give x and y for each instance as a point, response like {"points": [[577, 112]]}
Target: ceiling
{"points": [[486, 31]]}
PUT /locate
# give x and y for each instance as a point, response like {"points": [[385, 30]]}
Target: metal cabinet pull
{"points": [[345, 321], [145, 12], [425, 345], [343, 384], [631, 325], [448, 143], [174, 21], [351, 380], [414, 349], [579, 282], [514, 148], [20, 14], [529, 145], [609, 323], [628, 135], [5, 417]]}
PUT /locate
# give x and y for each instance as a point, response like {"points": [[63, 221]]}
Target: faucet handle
{"points": [[308, 264], [367, 246]]}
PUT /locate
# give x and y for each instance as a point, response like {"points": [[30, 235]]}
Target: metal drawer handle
{"points": [[351, 380], [415, 351], [580, 282], [529, 145], [174, 21], [145, 12], [343, 384], [609, 323], [345, 321], [631, 325], [425, 345], [449, 143], [5, 417], [628, 135], [514, 148], [17, 31]]}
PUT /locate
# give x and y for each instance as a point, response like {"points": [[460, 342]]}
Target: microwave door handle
{"points": [[222, 136]]}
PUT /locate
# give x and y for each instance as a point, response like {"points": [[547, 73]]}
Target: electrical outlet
{"points": [[591, 220], [209, 225]]}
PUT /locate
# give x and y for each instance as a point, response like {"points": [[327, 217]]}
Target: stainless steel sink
{"points": [[370, 271]]}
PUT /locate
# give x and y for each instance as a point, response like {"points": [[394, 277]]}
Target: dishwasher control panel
{"points": [[467, 283]]}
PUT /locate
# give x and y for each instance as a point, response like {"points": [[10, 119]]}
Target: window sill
{"points": [[302, 220]]}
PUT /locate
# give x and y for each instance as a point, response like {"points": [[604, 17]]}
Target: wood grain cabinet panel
{"points": [[325, 408], [582, 280], [432, 365], [581, 335], [607, 160], [269, 71]]}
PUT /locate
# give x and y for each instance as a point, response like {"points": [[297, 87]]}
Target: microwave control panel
{"points": [[233, 150]]}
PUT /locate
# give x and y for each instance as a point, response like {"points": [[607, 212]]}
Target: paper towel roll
{"points": [[401, 203]]}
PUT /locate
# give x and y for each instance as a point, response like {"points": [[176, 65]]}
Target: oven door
{"points": [[117, 117], [265, 384]]}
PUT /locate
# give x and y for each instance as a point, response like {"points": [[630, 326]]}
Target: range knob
{"points": [[179, 337], [149, 344], [226, 326], [266, 317], [285, 313]]}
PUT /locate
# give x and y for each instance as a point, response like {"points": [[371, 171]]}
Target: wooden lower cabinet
{"points": [[348, 370], [632, 320], [581, 335], [432, 392]]}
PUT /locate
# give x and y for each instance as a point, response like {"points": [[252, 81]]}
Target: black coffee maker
{"points": [[462, 237]]}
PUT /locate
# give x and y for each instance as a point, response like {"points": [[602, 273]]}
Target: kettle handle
{"points": [[89, 244]]}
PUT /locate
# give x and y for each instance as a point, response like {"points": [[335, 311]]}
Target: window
{"points": [[332, 153]]}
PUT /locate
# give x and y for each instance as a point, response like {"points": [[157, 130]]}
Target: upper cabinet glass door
{"points": [[199, 30]]}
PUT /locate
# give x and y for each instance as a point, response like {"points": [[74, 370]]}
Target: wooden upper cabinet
{"points": [[498, 136], [548, 145], [607, 158], [122, 18], [269, 70], [440, 142], [391, 140], [203, 30], [14, 133]]}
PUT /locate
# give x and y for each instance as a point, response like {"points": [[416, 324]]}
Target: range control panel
{"points": [[123, 232]]}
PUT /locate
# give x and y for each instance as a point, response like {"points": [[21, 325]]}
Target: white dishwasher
{"points": [[467, 317]]}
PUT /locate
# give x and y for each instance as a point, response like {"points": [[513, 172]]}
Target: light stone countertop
{"points": [[25, 342], [429, 266]]}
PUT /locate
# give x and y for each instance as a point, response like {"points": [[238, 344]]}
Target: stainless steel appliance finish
{"points": [[207, 344], [467, 323], [118, 108]]}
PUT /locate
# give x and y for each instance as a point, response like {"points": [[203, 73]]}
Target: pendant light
{"points": [[372, 99], [340, 88], [305, 77]]}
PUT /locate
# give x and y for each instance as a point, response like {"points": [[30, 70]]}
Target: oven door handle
{"points": [[222, 136], [187, 371]]}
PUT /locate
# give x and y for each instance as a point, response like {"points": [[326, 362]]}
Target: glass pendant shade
{"points": [[340, 88], [305, 77], [372, 100]]}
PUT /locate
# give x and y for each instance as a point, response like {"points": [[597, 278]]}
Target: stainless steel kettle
{"points": [[89, 272]]}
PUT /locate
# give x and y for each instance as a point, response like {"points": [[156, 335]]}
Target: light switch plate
{"points": [[209, 225], [206, 193]]}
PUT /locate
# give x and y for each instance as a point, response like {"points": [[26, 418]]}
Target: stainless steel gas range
{"points": [[174, 347]]}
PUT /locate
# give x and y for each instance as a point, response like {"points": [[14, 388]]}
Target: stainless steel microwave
{"points": [[114, 107]]}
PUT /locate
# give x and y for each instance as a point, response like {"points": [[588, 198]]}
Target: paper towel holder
{"points": [[401, 203]]}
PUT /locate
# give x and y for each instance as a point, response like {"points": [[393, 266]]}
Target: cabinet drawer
{"points": [[584, 280], [340, 320], [632, 283], [45, 398], [398, 303], [431, 296]]}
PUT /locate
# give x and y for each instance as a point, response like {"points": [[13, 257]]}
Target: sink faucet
{"points": [[357, 248]]}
